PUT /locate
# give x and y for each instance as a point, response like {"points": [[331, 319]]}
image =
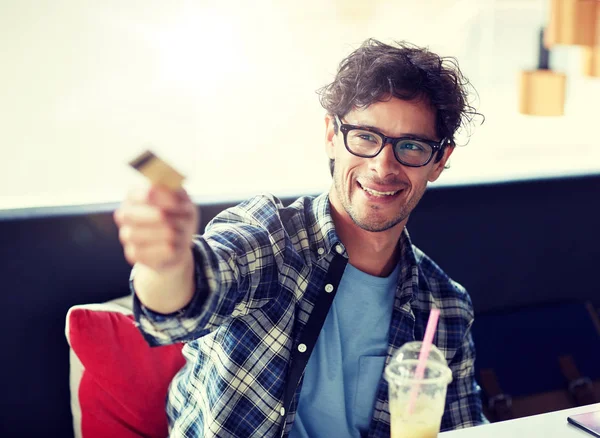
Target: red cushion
{"points": [[124, 386]]}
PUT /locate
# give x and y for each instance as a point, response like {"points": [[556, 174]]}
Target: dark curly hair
{"points": [[376, 72]]}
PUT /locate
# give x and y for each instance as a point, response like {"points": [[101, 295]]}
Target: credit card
{"points": [[158, 171]]}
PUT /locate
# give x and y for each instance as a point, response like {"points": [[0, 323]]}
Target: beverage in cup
{"points": [[417, 404]]}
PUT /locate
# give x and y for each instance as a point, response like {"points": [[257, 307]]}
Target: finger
{"points": [[130, 252], [139, 215], [186, 215], [166, 199], [182, 195], [144, 235], [153, 256], [118, 217], [138, 195]]}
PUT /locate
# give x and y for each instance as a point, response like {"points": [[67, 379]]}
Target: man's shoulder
{"points": [[443, 288], [266, 206], [267, 212]]}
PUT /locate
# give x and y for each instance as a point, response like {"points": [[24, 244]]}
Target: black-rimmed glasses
{"points": [[367, 143]]}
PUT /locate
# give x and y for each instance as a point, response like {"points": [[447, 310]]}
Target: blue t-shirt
{"points": [[342, 374]]}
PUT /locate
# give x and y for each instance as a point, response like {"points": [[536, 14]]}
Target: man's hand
{"points": [[156, 226]]}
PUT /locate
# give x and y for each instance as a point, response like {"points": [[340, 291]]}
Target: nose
{"points": [[385, 162]]}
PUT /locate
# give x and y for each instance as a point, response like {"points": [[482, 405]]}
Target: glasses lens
{"points": [[363, 142], [413, 152]]}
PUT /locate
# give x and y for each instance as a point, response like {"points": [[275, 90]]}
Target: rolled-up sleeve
{"points": [[233, 259]]}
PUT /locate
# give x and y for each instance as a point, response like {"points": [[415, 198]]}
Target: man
{"points": [[269, 350]]}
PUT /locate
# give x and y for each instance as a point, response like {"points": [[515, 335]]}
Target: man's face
{"points": [[379, 193]]}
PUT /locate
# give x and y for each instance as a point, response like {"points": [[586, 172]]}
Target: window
{"points": [[85, 87]]}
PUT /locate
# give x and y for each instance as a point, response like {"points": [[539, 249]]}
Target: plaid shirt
{"points": [[265, 269]]}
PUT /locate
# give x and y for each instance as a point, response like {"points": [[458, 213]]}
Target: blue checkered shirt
{"points": [[263, 270]]}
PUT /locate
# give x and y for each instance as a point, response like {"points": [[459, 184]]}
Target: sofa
{"points": [[513, 245]]}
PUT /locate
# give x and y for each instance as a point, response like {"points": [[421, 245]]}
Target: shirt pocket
{"points": [[370, 369]]}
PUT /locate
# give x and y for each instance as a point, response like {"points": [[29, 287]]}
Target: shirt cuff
{"points": [[164, 329]]}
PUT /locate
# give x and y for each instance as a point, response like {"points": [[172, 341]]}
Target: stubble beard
{"points": [[372, 224]]}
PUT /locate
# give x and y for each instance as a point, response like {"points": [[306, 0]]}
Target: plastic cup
{"points": [[423, 420]]}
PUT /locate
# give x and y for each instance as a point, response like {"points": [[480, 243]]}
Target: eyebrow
{"points": [[419, 136]]}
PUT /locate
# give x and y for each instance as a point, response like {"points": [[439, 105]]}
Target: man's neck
{"points": [[375, 253]]}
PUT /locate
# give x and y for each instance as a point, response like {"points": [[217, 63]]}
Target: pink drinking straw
{"points": [[423, 355]]}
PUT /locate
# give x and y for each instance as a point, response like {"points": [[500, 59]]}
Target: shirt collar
{"points": [[323, 236], [408, 278], [325, 239]]}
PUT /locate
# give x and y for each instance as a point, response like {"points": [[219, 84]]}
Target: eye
{"points": [[365, 136], [411, 146]]}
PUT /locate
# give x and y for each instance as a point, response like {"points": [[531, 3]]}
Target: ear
{"points": [[329, 136], [438, 167]]}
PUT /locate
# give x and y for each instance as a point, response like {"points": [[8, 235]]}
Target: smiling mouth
{"points": [[377, 193]]}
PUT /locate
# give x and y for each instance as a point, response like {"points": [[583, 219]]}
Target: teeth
{"points": [[377, 193]]}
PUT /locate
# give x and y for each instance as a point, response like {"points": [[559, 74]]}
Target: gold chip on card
{"points": [[157, 170]]}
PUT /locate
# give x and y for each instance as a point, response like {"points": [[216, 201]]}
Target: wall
{"points": [[216, 85]]}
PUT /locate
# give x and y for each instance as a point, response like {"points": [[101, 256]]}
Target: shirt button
{"points": [[282, 411], [302, 348], [328, 288], [339, 249], [321, 251]]}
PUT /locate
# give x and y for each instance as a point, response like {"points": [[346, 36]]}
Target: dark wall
{"points": [[515, 244], [511, 245]]}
